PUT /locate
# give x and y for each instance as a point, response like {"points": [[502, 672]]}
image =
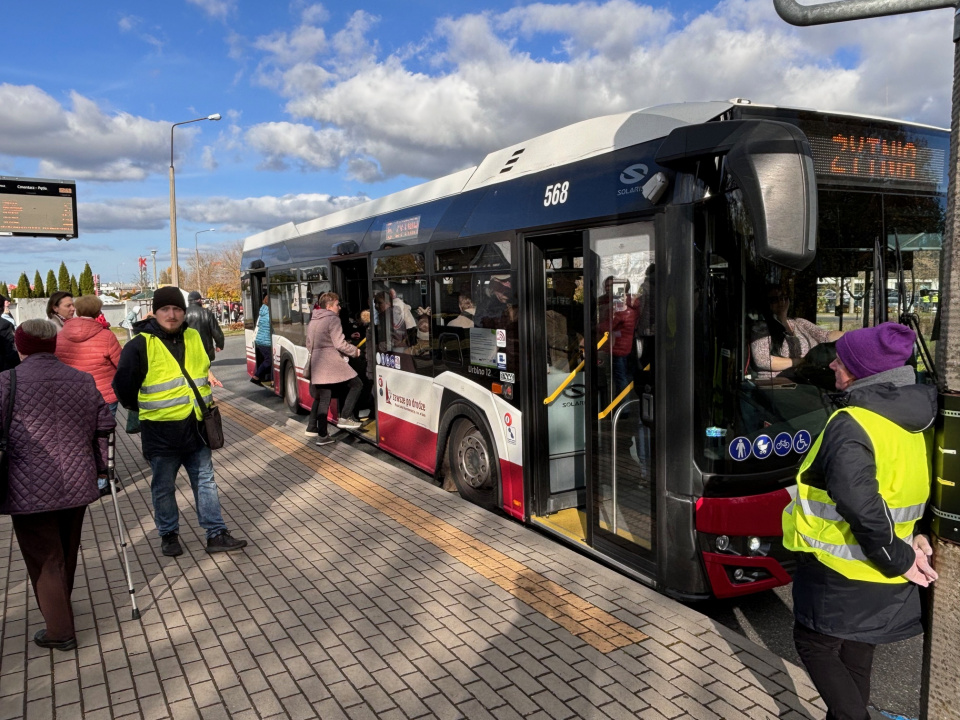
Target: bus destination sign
{"points": [[31, 207], [401, 229], [889, 156]]}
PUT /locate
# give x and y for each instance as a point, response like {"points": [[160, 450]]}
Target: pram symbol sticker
{"points": [[762, 447]]}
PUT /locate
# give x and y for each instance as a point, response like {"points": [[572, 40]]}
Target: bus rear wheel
{"points": [[290, 395], [471, 463]]}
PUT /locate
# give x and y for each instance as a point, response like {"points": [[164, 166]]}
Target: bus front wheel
{"points": [[471, 463], [290, 394]]}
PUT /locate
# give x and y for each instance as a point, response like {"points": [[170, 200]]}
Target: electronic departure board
{"points": [[901, 156], [32, 207]]}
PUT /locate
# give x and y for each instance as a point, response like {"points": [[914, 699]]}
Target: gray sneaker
{"points": [[348, 423], [325, 440]]}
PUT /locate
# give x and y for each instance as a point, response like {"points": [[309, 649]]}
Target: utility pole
{"points": [[940, 689], [156, 285]]}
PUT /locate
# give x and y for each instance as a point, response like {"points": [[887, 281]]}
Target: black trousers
{"points": [[50, 542], [840, 670], [321, 403]]}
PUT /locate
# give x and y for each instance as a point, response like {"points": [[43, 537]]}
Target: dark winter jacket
{"points": [[204, 322], [825, 600], [54, 456], [8, 351], [159, 438]]}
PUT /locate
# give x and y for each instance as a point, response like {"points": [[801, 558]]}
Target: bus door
{"points": [[558, 429], [351, 281], [620, 377], [254, 286]]}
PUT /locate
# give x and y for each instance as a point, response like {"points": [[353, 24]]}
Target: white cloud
{"points": [[495, 79], [83, 142], [250, 214], [218, 9]]}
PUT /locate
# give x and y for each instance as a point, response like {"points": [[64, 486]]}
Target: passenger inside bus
{"points": [[493, 308], [563, 318], [467, 310], [780, 342], [393, 316]]}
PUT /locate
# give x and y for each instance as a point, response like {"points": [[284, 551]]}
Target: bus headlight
{"points": [[753, 544]]}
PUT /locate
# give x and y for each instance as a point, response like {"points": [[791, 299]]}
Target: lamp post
{"points": [[174, 270], [196, 247], [156, 285]]}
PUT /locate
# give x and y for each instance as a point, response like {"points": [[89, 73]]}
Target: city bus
{"points": [[580, 331]]}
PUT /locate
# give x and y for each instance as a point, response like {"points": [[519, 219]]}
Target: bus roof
{"points": [[579, 141]]}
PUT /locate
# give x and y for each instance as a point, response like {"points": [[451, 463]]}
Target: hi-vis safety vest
{"points": [[165, 394], [812, 524]]}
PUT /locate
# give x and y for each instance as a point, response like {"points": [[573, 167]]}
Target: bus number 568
{"points": [[556, 194]]}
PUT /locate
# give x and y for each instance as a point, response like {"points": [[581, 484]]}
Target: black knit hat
{"points": [[169, 295]]}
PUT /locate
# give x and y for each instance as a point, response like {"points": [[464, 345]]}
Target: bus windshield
{"points": [[766, 334]]}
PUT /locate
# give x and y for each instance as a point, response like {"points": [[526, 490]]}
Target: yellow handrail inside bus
{"points": [[572, 375], [360, 344], [616, 401]]}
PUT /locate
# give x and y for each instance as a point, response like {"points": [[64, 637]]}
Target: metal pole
{"points": [[831, 12], [112, 481], [174, 268], [939, 689], [155, 283]]}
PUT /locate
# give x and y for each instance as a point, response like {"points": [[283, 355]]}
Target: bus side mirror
{"points": [[773, 167]]}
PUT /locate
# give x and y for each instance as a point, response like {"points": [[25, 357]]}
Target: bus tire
{"points": [[290, 394], [471, 461]]}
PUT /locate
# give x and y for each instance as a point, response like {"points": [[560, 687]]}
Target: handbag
{"points": [[212, 421], [7, 420], [306, 368]]}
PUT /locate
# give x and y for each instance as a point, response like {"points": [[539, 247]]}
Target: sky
{"points": [[327, 105]]}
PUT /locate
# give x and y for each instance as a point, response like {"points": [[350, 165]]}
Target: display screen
{"points": [[33, 207], [892, 155], [401, 229], [856, 151]]}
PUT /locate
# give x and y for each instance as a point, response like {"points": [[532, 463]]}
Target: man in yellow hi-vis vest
{"points": [[860, 492], [152, 377]]}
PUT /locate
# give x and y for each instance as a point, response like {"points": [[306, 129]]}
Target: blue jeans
{"points": [[199, 467]]}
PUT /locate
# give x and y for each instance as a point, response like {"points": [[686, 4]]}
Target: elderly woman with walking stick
{"points": [[52, 416]]}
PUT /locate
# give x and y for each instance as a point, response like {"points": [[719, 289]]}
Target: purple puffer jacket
{"points": [[54, 456]]}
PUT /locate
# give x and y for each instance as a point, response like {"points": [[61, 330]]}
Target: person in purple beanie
{"points": [[860, 492]]}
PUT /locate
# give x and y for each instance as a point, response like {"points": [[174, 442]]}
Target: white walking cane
{"points": [[111, 478]]}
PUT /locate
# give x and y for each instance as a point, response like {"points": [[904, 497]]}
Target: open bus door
{"points": [[351, 281], [591, 294], [621, 373], [254, 286]]}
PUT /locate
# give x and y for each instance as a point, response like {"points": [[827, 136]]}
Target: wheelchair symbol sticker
{"points": [[801, 441], [762, 447], [740, 448], [783, 444]]}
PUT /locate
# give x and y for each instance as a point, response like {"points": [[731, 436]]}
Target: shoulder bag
{"points": [[306, 368], [5, 438], [212, 422]]}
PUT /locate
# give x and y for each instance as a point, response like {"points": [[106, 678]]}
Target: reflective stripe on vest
{"points": [[811, 523], [165, 394]]}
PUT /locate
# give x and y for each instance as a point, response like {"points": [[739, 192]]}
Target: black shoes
{"points": [[105, 490], [256, 381], [325, 440], [223, 542], [170, 545], [40, 638]]}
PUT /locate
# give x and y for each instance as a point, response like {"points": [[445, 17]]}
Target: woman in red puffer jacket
{"points": [[86, 345]]}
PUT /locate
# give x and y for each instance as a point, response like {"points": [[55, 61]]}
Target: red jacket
{"points": [[86, 345]]}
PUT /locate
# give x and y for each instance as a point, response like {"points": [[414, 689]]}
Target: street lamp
{"points": [[156, 285], [196, 247], [175, 272]]}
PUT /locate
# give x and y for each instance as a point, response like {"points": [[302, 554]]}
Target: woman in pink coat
{"points": [[329, 351], [86, 345]]}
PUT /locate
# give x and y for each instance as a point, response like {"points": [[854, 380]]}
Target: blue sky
{"points": [[325, 105]]}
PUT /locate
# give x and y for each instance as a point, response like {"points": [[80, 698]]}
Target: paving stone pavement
{"points": [[365, 592]]}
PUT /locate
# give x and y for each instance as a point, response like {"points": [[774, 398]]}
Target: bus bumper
{"points": [[726, 526]]}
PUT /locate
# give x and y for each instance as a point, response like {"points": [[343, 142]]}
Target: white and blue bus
{"points": [[581, 331]]}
